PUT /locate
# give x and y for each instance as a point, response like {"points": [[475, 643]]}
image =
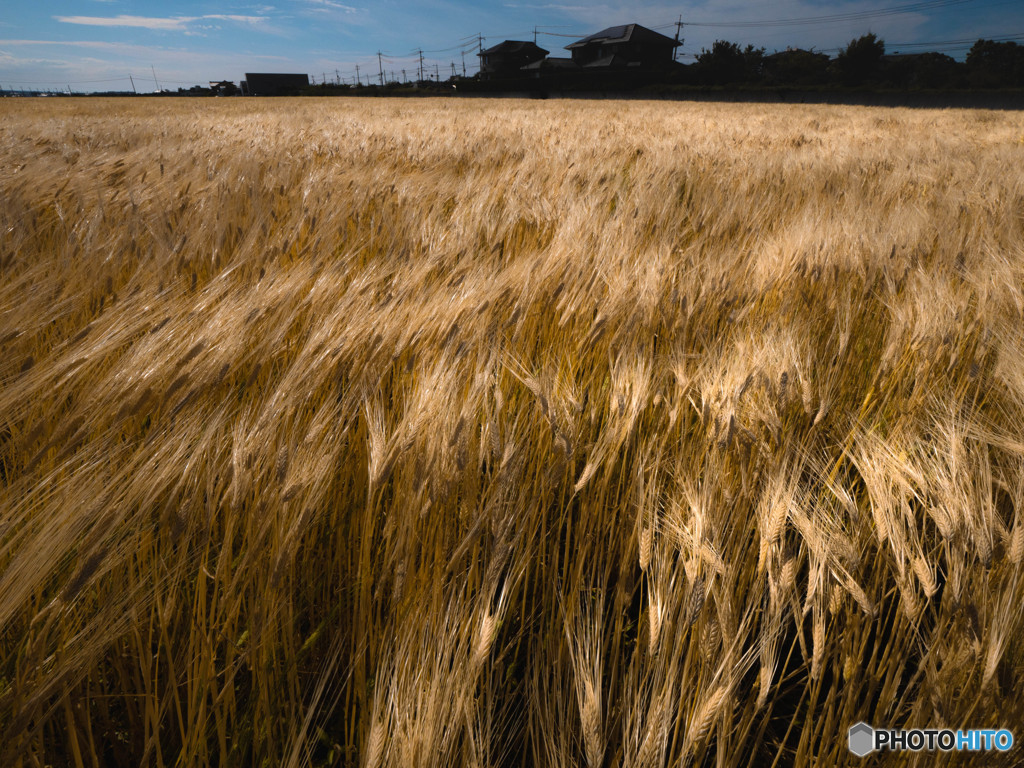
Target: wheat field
{"points": [[506, 433]]}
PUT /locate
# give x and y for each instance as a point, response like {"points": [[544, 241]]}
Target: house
{"points": [[273, 84], [628, 45], [550, 67], [508, 57]]}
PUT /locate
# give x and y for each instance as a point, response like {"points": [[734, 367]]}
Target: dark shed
{"points": [[273, 84]]}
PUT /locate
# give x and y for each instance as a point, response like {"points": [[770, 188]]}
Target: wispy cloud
{"points": [[130, 49], [550, 7], [333, 6], [237, 18], [144, 22], [98, 44], [171, 23]]}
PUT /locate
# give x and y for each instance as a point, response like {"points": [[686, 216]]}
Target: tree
{"points": [[923, 70], [753, 62], [796, 67], [727, 63], [996, 65], [861, 60]]}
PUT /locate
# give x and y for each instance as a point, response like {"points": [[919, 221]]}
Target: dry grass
{"points": [[416, 433]]}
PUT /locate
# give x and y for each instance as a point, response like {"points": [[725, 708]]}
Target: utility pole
{"points": [[155, 81], [337, 77], [437, 74], [421, 64], [405, 77], [453, 70], [133, 85], [463, 63], [380, 66], [358, 81], [675, 51], [534, 35]]}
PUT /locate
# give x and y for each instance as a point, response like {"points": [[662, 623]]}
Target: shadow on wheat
{"points": [[443, 433]]}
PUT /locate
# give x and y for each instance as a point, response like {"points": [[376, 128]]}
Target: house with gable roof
{"points": [[624, 46]]}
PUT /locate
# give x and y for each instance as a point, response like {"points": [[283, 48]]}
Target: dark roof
{"points": [[552, 63], [514, 46], [625, 33], [923, 56]]}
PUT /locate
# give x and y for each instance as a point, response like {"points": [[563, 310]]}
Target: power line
{"points": [[471, 43], [444, 50], [831, 18], [937, 46], [905, 8], [964, 41]]}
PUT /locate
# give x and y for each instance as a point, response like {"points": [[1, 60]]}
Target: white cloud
{"points": [[172, 23], [90, 65], [236, 18], [145, 22], [96, 44]]}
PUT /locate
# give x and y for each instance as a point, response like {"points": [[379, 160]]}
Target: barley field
{"points": [[506, 433]]}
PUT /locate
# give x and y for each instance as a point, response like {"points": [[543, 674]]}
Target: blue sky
{"points": [[96, 44]]}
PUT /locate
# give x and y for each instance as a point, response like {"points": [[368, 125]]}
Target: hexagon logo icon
{"points": [[862, 739]]}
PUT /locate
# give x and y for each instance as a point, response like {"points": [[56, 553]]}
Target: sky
{"points": [[100, 45]]}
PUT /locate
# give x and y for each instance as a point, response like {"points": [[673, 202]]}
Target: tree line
{"points": [[863, 63]]}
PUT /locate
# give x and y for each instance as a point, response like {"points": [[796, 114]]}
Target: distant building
{"points": [[507, 58], [271, 84], [628, 45], [223, 88]]}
